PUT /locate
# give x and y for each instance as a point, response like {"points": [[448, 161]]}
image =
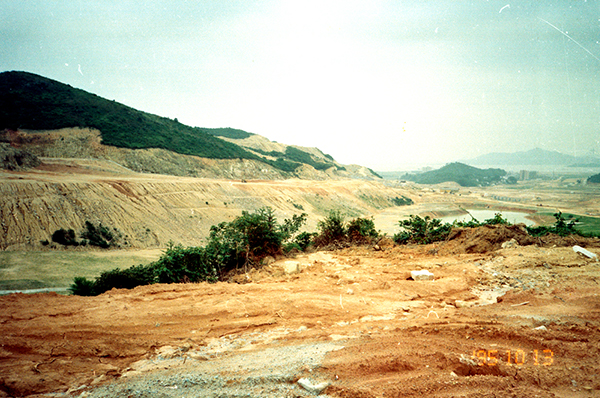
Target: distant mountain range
{"points": [[533, 157], [30, 102]]}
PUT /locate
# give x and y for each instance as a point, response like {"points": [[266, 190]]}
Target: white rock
{"points": [[422, 275], [291, 267], [314, 388], [544, 328], [587, 253], [463, 304], [510, 244]]}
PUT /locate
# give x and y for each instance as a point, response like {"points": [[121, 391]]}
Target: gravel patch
{"points": [[268, 372]]}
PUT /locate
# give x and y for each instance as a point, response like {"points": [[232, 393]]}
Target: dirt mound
{"points": [[485, 239], [489, 238], [16, 159]]}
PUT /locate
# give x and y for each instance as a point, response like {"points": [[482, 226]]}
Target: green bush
{"points": [[100, 235], [124, 279], [179, 264], [249, 238], [82, 287], [497, 220], [362, 230], [562, 227], [332, 229], [65, 237], [242, 242], [304, 240], [422, 230], [402, 201]]}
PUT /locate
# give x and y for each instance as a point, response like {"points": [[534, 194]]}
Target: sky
{"points": [[384, 84]]}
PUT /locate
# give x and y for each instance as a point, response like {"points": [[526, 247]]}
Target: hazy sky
{"points": [[377, 83]]}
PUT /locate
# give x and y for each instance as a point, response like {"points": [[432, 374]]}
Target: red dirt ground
{"points": [[450, 337]]}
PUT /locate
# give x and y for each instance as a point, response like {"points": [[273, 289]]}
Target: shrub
{"points": [[402, 201], [65, 237], [124, 279], [82, 287], [242, 242], [179, 264], [497, 220], [304, 239], [561, 227], [100, 235], [362, 230], [249, 238], [331, 230], [422, 230]]}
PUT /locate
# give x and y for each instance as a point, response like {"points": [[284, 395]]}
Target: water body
{"points": [[33, 291], [514, 217]]}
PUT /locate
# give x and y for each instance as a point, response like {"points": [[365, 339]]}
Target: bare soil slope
{"points": [[149, 209], [519, 322]]}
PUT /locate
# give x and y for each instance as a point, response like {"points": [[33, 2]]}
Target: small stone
{"points": [[463, 304], [291, 267], [314, 388], [422, 275], [511, 244]]}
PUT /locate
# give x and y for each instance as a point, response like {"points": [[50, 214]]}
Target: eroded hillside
{"points": [[77, 143], [149, 210]]}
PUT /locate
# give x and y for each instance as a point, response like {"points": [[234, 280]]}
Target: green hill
{"points": [[464, 175], [595, 179], [32, 102]]}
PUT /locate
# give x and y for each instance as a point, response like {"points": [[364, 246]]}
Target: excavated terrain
{"points": [[516, 322], [498, 319], [149, 210]]}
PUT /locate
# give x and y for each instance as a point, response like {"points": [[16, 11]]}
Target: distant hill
{"points": [[537, 156], [32, 102], [595, 179], [464, 175]]}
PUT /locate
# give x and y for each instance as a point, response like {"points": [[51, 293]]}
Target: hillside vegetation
{"points": [[464, 175], [32, 102]]}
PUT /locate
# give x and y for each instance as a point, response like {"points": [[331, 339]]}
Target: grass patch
{"points": [[38, 269], [22, 284], [586, 224]]}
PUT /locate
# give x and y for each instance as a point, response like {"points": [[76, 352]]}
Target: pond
{"points": [[513, 217]]}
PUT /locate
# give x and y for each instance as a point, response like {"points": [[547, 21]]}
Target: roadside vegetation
{"points": [[244, 243]]}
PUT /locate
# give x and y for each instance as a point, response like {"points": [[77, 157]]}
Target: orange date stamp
{"points": [[516, 357]]}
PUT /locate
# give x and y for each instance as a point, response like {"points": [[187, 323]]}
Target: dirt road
{"points": [[518, 322]]}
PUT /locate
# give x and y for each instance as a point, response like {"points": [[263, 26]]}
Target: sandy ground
{"points": [[515, 322]]}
